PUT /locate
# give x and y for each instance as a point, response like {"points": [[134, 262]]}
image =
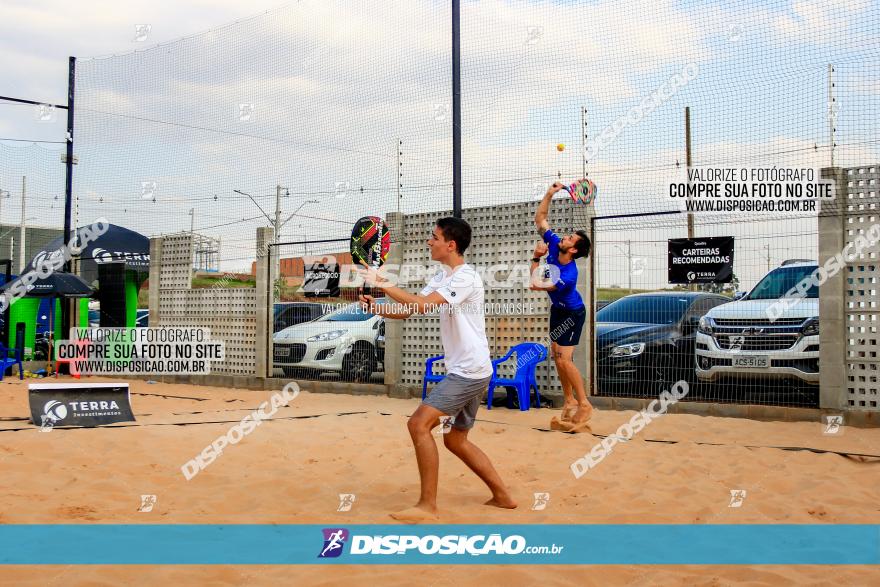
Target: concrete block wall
{"points": [[862, 282], [230, 313], [501, 235], [832, 305]]}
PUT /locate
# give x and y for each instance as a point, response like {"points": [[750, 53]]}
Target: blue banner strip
{"points": [[627, 544]]}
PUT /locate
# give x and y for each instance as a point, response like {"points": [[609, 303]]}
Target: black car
{"points": [[645, 342]]}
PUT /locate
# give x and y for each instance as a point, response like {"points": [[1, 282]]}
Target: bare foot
{"points": [[576, 427], [416, 514], [502, 502], [583, 414], [570, 426], [557, 424], [568, 411]]}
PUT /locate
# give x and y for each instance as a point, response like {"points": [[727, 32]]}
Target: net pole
{"points": [[67, 305], [456, 110]]}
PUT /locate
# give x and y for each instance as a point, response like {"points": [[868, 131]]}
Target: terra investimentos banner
{"points": [[79, 404], [701, 260]]}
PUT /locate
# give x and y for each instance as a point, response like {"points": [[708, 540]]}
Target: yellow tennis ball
{"points": [[560, 147]]}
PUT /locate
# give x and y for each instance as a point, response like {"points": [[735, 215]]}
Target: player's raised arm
{"points": [[541, 222]]}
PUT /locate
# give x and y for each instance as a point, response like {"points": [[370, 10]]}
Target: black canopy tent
{"points": [[116, 263], [117, 245]]}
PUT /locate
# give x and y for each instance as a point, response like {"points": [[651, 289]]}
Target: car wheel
{"points": [[359, 364]]}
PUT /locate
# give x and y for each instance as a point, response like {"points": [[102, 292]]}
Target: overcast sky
{"points": [[334, 84]]}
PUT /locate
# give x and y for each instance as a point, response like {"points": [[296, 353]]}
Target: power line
{"points": [[240, 134], [229, 223]]}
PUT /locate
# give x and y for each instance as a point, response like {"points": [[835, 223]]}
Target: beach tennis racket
{"points": [[370, 241], [583, 191]]}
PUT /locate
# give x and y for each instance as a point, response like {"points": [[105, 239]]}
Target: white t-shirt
{"points": [[462, 323]]}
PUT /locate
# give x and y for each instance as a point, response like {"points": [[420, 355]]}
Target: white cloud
{"points": [[824, 22], [336, 83]]}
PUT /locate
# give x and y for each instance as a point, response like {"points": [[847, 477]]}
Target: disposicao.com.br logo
{"points": [[334, 540]]}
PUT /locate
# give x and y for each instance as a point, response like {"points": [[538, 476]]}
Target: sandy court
{"points": [[292, 470]]}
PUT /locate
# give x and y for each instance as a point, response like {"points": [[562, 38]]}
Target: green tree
{"points": [[723, 288]]}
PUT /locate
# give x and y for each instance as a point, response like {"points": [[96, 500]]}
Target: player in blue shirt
{"points": [[567, 309]]}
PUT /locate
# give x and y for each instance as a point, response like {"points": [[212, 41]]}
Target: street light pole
{"points": [[628, 253]]}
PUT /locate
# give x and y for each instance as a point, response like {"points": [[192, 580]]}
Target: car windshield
{"points": [[299, 309], [644, 310], [779, 281], [352, 313]]}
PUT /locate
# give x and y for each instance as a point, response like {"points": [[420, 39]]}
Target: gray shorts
{"points": [[458, 397]]}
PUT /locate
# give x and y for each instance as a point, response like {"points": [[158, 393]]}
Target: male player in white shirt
{"points": [[457, 292]]}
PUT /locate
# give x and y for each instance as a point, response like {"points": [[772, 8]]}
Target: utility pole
{"points": [[584, 141], [629, 259], [688, 163], [277, 211], [277, 224], [832, 111], [192, 219], [767, 246], [21, 238], [399, 172]]}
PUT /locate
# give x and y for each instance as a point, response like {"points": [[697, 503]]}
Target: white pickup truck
{"points": [[741, 340]]}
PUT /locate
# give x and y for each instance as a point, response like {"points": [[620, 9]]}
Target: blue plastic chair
{"points": [[429, 376], [528, 356], [6, 362]]}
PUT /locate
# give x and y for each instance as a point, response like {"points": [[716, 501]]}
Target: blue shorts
{"points": [[566, 325]]}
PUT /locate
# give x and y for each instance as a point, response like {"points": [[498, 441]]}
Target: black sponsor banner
{"points": [[79, 404], [321, 280], [701, 260], [111, 276]]}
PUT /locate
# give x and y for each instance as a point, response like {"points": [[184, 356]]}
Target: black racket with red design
{"points": [[370, 242]]}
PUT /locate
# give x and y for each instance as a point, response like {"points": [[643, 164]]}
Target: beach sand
{"points": [[291, 471]]}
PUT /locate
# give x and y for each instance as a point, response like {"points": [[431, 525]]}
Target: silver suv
{"points": [[739, 340]]}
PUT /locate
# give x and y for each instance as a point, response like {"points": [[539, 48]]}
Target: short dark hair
{"points": [[583, 247], [456, 229]]}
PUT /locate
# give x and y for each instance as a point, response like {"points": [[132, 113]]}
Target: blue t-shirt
{"points": [[565, 295]]}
